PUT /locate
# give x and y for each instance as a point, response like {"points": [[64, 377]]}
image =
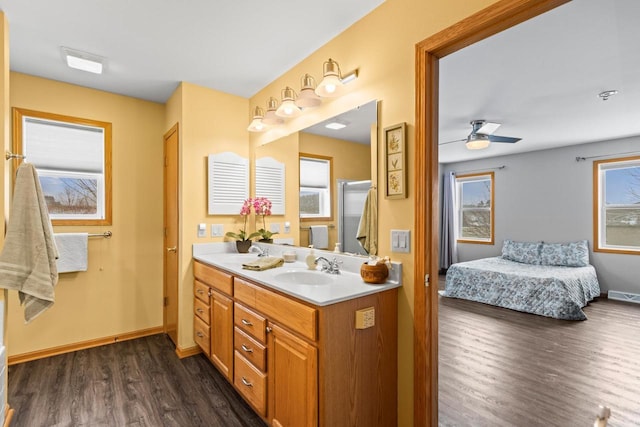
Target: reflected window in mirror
{"points": [[315, 186]]}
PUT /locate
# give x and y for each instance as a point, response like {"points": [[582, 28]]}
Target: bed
{"points": [[536, 286]]}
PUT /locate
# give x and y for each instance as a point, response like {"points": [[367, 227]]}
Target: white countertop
{"points": [[344, 286]]}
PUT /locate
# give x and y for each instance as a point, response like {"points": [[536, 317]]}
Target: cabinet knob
{"points": [[200, 291], [247, 349], [246, 322], [199, 334], [245, 382], [268, 329], [199, 310]]}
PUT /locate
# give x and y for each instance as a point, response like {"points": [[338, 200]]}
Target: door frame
{"points": [[166, 136], [485, 23]]}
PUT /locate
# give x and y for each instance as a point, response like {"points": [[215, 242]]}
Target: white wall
{"points": [[547, 195]]}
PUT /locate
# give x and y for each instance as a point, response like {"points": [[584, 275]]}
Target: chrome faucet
{"points": [[331, 267], [261, 252]]}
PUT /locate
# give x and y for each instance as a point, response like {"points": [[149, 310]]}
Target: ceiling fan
{"points": [[482, 135]]}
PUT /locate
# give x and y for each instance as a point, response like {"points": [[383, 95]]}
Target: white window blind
{"points": [[270, 179], [228, 183], [314, 173]]}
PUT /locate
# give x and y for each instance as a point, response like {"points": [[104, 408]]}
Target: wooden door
{"points": [[171, 233], [293, 380], [222, 333]]}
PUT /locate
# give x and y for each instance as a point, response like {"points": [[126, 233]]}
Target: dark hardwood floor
{"points": [[132, 383], [499, 367]]}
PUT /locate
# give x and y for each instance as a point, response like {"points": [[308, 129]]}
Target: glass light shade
{"points": [[331, 84], [307, 97], [256, 124], [477, 142], [270, 117], [288, 108]]}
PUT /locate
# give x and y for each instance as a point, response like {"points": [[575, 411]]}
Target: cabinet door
{"points": [[222, 333], [293, 380]]}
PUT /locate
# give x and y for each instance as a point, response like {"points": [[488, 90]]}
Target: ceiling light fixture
{"points": [[477, 141], [288, 108], [332, 84], [307, 97], [256, 124], [270, 117], [82, 60]]}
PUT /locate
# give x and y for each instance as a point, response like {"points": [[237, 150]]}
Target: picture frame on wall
{"points": [[395, 148]]}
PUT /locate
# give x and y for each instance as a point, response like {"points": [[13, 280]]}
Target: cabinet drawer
{"points": [[250, 322], [201, 291], [201, 335], [202, 310], [251, 349], [297, 316], [213, 277], [251, 383]]}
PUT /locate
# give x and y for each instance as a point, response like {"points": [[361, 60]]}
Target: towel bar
{"points": [[106, 234], [328, 225]]}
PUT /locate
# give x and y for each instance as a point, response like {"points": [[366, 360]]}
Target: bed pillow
{"points": [[573, 254], [525, 252]]}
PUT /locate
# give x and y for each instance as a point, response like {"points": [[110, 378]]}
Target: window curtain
{"points": [[448, 247]]}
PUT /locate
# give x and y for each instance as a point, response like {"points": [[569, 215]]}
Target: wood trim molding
{"points": [[54, 351], [487, 22], [188, 352], [8, 415]]}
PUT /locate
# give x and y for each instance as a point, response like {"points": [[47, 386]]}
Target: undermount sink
{"points": [[303, 278]]}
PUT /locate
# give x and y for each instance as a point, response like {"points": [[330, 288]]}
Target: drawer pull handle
{"points": [[247, 349], [200, 291], [199, 310], [246, 322], [245, 382], [200, 334]]}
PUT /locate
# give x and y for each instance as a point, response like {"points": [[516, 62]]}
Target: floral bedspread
{"points": [[552, 291]]}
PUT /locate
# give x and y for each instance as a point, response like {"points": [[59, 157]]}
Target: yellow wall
{"points": [[122, 289], [382, 46], [210, 122], [351, 161], [5, 112]]}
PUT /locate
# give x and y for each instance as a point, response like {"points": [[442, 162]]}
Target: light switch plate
{"points": [[287, 227], [217, 230], [274, 227], [401, 241], [202, 229]]}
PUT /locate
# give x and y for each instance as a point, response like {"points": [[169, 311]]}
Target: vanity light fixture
{"points": [[307, 97], [256, 124], [270, 118], [288, 108], [332, 84], [82, 60], [477, 141]]}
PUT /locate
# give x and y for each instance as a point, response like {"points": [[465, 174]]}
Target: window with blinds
{"points": [[72, 156], [315, 187]]}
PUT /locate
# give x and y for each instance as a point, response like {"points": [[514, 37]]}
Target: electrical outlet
{"points": [[217, 230], [365, 318], [400, 241]]}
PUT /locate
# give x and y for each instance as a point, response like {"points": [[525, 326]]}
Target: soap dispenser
{"points": [[311, 259]]}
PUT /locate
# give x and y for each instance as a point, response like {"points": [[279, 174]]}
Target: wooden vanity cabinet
{"points": [[213, 322], [301, 365]]}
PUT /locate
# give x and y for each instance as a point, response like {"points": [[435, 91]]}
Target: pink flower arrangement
{"points": [[261, 206]]}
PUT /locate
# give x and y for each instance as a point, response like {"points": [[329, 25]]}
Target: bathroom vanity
{"points": [[303, 348]]}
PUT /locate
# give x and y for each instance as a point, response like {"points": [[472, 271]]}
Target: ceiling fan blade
{"points": [[488, 128], [496, 138], [451, 142]]}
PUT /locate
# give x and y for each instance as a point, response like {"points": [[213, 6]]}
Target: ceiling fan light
{"points": [[477, 142]]}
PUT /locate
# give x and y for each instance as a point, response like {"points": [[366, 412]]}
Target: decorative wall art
{"points": [[395, 161]]}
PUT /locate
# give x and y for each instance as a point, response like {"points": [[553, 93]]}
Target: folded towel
{"points": [[319, 236], [72, 250], [264, 263], [368, 228], [28, 259]]}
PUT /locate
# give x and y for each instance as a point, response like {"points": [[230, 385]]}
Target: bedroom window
{"points": [[315, 187], [475, 208], [73, 159], [617, 205]]}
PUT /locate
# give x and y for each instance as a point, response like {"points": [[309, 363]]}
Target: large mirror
{"points": [[338, 158]]}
